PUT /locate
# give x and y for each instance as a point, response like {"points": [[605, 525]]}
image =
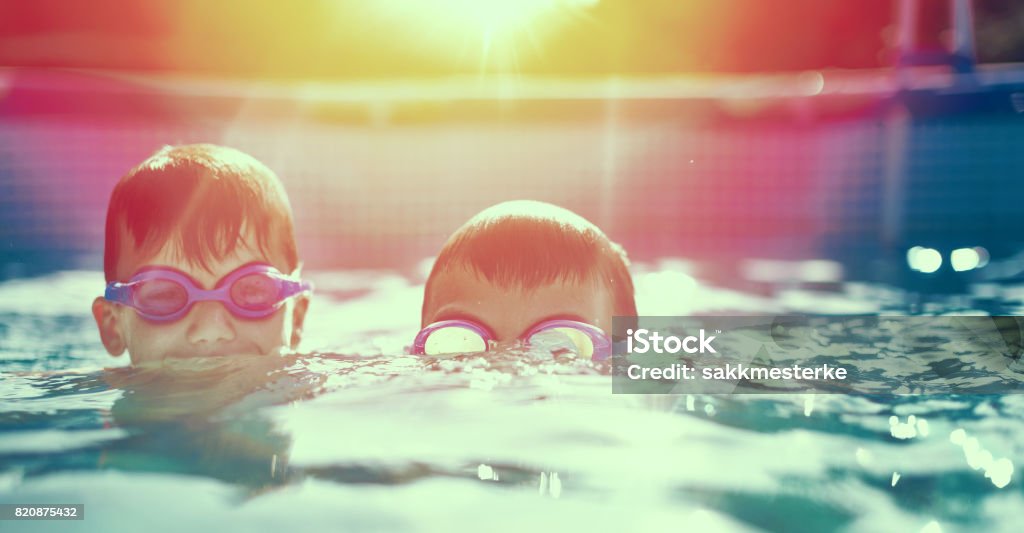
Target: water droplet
{"points": [[485, 472], [1000, 471], [864, 457], [556, 485]]}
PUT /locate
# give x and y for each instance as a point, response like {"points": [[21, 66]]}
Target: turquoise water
{"points": [[352, 435]]}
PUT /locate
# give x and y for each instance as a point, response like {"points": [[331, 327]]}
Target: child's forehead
{"points": [[465, 284], [172, 255], [508, 309]]}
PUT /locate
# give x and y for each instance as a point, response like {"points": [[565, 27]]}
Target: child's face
{"points": [[208, 329], [510, 312]]}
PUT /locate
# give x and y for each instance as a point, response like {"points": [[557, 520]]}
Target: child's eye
{"points": [[255, 291], [161, 297]]}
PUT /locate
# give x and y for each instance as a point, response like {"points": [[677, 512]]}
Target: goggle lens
{"points": [[160, 297], [457, 338], [255, 292], [564, 338], [454, 339]]}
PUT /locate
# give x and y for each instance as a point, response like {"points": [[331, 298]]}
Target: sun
{"points": [[490, 32]]}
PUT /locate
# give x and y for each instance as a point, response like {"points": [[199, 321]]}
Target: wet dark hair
{"points": [[525, 244], [203, 198]]}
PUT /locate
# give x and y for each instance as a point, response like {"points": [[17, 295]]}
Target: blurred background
{"points": [[818, 140]]}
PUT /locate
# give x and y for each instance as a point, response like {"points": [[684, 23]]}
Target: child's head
{"points": [[521, 263], [206, 212]]}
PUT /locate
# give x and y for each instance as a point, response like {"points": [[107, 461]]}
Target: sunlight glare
{"points": [[492, 31]]}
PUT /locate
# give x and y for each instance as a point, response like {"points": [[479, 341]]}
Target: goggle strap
{"points": [[117, 292]]}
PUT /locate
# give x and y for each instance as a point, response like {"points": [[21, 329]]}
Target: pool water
{"points": [[353, 435]]}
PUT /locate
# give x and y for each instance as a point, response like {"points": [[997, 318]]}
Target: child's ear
{"points": [[109, 324], [298, 318]]}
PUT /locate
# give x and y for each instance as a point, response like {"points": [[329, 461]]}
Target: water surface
{"points": [[352, 434]]}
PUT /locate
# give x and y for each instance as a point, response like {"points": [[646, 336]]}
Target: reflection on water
{"points": [[514, 440]]}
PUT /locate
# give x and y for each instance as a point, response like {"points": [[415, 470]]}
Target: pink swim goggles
{"points": [[163, 294], [466, 336]]}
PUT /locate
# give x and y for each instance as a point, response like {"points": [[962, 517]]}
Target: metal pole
{"points": [[963, 50]]}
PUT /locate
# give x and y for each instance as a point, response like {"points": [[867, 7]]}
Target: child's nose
{"points": [[210, 323]]}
